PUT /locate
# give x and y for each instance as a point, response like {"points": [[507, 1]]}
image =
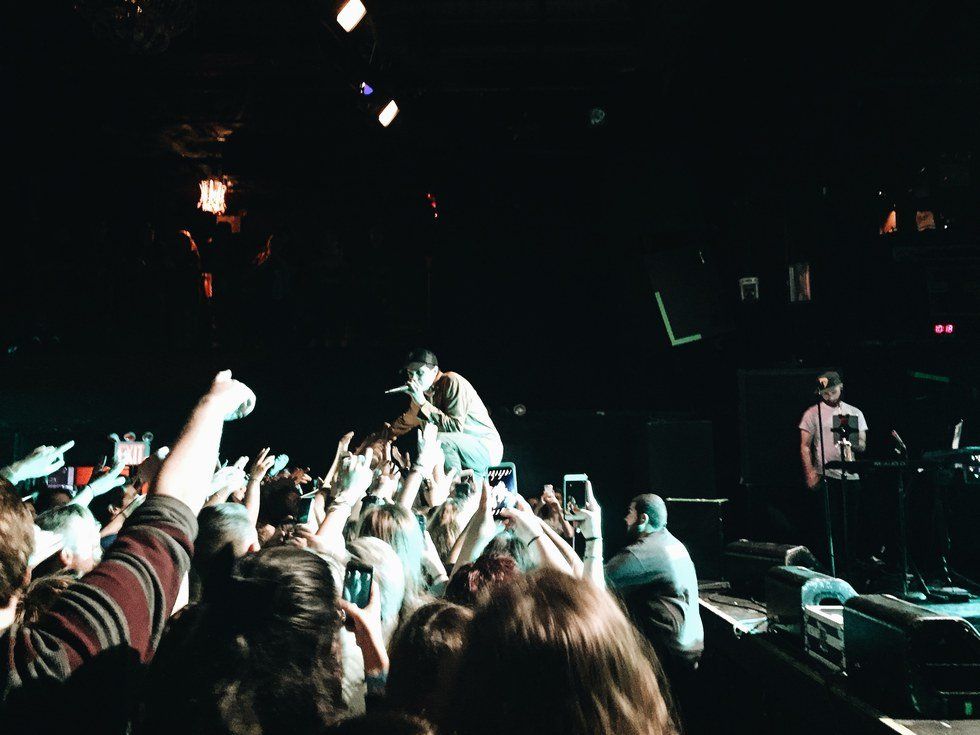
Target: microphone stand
{"points": [[828, 527], [903, 539]]}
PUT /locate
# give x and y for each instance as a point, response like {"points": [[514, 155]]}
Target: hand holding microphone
{"points": [[413, 388]]}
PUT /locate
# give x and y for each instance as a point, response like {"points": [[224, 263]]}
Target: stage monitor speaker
{"points": [[771, 403], [699, 524], [789, 589], [746, 563], [912, 661]]}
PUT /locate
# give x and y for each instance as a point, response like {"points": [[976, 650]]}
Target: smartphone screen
{"points": [[357, 583], [504, 473], [573, 488], [303, 512]]}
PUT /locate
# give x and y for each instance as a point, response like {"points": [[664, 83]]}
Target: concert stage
{"points": [[759, 680]]}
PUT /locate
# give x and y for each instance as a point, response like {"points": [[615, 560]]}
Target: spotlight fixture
{"points": [[597, 116], [366, 89], [519, 409], [388, 114], [351, 14]]}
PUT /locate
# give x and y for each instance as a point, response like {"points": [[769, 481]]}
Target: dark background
{"points": [[735, 141]]}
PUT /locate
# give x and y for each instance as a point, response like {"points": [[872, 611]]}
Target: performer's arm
{"points": [[862, 441], [453, 415], [812, 478], [406, 422]]}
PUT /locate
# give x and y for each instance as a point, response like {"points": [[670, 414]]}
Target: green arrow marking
{"points": [[674, 341]]}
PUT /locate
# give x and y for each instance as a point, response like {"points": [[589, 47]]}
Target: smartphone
{"points": [[357, 583], [506, 473], [573, 488], [305, 505]]}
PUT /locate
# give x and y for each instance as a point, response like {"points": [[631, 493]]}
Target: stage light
{"points": [[351, 14], [388, 114], [596, 116], [890, 224], [520, 409], [212, 196], [366, 89]]}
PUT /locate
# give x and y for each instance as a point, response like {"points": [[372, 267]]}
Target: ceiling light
{"points": [[388, 114], [350, 15]]}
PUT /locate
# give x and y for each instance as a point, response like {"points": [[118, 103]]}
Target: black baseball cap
{"points": [[828, 380], [422, 355]]}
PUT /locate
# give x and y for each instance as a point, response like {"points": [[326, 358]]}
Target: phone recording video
{"points": [[504, 473], [573, 490], [357, 583]]}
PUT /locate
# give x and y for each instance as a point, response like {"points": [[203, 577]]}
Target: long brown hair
{"points": [[551, 653]]}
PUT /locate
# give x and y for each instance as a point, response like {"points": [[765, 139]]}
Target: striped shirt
{"points": [[122, 604]]}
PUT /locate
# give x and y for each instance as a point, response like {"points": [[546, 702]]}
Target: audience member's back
{"points": [[549, 653], [255, 656]]}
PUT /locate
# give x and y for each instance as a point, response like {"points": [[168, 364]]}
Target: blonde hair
{"points": [[560, 656]]}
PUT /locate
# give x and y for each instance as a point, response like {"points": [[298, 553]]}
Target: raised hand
{"points": [[440, 484], [590, 516], [40, 463], [354, 477], [261, 465], [366, 626], [146, 472], [234, 398], [230, 478], [109, 480], [429, 452]]}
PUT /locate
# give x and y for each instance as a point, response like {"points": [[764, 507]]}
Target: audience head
{"points": [[16, 545], [474, 583], [647, 514], [388, 573], [81, 545], [550, 653], [399, 527], [443, 527], [506, 543], [51, 497], [423, 366], [426, 642], [257, 648]]}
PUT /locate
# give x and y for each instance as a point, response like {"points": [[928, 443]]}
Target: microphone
{"points": [[399, 389], [901, 444]]}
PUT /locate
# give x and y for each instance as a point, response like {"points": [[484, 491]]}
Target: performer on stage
{"points": [[819, 442], [467, 434]]}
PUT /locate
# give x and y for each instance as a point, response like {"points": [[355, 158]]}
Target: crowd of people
{"points": [[397, 593]]}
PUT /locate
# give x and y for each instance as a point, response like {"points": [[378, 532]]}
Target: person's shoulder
{"points": [[456, 378]]}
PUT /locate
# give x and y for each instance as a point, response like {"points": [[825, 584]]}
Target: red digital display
{"points": [[944, 328]]}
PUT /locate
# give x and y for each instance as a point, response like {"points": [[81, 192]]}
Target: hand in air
{"points": [[429, 452], [111, 479], [353, 478], [590, 516], [234, 398], [261, 465], [40, 463]]}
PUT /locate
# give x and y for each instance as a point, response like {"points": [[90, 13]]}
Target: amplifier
{"points": [[790, 589], [746, 563], [911, 660], [823, 636]]}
